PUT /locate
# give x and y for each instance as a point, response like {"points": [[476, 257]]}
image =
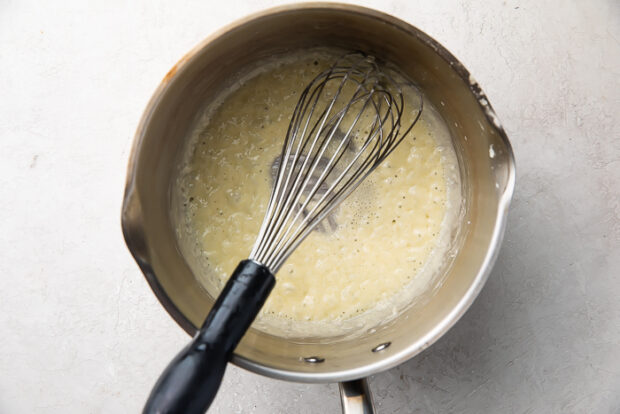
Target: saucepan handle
{"points": [[355, 397], [191, 380]]}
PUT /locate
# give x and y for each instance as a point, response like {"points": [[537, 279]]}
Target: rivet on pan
{"points": [[313, 360], [381, 347]]}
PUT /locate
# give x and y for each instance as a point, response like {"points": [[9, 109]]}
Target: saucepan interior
{"points": [[485, 157]]}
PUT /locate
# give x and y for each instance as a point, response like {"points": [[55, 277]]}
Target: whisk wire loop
{"points": [[304, 110], [346, 122]]}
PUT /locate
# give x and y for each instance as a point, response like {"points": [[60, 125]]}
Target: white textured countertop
{"points": [[81, 330]]}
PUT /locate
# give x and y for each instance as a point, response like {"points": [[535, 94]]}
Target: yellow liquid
{"points": [[391, 232]]}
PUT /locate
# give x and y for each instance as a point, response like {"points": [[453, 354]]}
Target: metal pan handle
{"points": [[355, 397]]}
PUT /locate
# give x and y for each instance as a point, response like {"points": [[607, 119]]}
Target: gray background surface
{"points": [[81, 331]]}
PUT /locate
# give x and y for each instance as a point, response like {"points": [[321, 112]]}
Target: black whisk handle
{"points": [[190, 382]]}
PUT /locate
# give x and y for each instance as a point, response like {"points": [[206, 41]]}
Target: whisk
{"points": [[346, 122]]}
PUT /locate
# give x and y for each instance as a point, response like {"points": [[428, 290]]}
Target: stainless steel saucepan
{"points": [[485, 160]]}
